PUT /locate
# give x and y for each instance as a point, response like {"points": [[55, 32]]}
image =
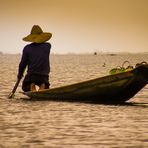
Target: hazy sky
{"points": [[77, 25]]}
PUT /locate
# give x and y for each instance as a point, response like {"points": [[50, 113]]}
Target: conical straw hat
{"points": [[37, 35]]}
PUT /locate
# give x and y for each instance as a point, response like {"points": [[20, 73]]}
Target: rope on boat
{"points": [[142, 63], [121, 69], [124, 68]]}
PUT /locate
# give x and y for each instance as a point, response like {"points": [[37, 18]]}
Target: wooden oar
{"points": [[14, 89]]}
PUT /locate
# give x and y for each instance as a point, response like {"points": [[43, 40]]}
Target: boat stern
{"points": [[142, 71]]}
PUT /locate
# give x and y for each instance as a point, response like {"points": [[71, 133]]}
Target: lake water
{"points": [[49, 124]]}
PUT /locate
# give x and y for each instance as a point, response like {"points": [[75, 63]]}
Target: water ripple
{"points": [[71, 125]]}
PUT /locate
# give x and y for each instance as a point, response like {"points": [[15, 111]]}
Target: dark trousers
{"points": [[36, 79]]}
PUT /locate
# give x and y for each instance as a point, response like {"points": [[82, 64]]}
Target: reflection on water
{"points": [[62, 124]]}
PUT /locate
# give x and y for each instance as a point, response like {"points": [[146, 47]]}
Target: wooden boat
{"points": [[111, 89]]}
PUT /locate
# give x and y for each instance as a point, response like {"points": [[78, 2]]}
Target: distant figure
{"points": [[104, 64], [95, 53], [35, 57]]}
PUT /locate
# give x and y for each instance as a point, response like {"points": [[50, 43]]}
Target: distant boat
{"points": [[95, 53], [111, 89], [112, 54]]}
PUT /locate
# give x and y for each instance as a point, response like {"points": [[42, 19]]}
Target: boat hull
{"points": [[110, 89]]}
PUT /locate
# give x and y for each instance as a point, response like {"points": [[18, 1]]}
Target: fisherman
{"points": [[35, 57]]}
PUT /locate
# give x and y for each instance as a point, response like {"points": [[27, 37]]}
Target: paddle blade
{"points": [[11, 95]]}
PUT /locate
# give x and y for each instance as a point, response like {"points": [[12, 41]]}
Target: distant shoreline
{"points": [[88, 53]]}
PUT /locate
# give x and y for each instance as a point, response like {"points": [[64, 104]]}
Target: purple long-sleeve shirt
{"points": [[36, 57]]}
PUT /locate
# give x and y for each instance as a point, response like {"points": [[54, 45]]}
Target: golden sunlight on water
{"points": [[61, 124]]}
